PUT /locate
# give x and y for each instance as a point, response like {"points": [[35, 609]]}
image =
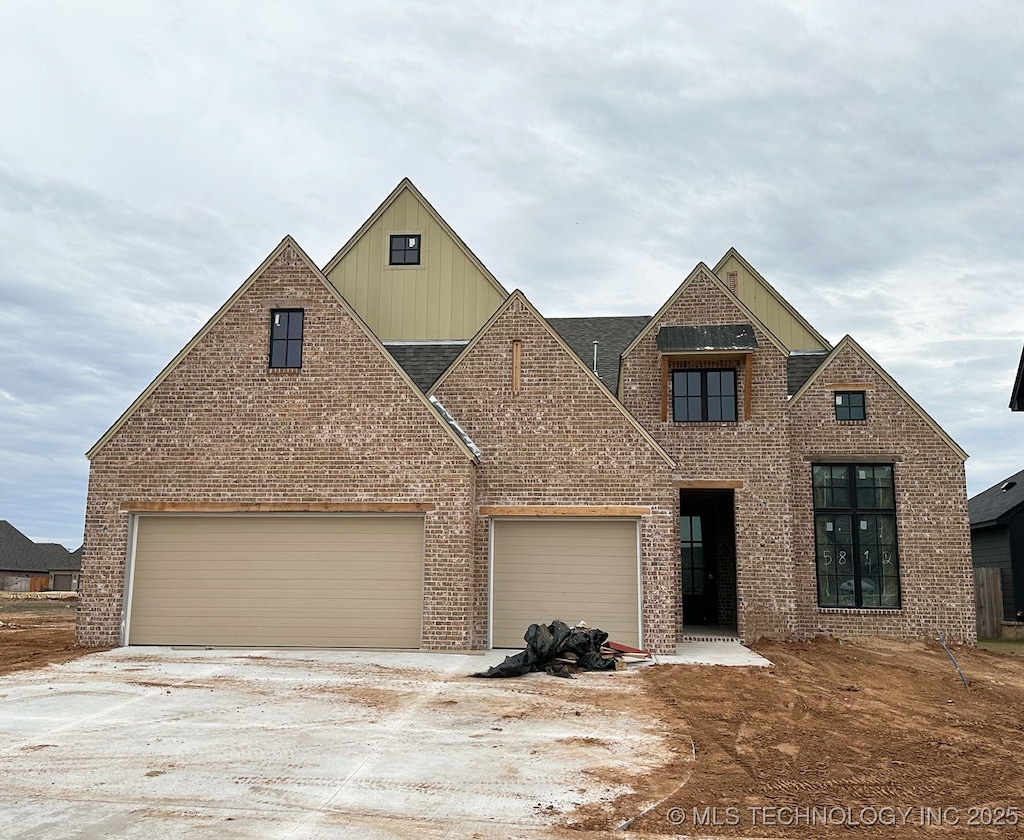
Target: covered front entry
{"points": [[276, 580], [568, 569], [707, 547]]}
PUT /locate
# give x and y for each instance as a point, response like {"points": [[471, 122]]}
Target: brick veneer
{"points": [[771, 454], [223, 428], [933, 535], [561, 441]]}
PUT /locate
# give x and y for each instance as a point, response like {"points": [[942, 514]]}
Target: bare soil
{"points": [[832, 738], [34, 633], [866, 732]]}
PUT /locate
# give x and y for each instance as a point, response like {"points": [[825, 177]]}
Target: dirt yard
{"points": [[869, 739], [34, 633]]}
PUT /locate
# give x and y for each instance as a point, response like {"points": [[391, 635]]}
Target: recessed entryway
{"points": [[707, 555]]}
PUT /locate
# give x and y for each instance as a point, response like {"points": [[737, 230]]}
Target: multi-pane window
{"points": [[286, 338], [855, 536], [405, 249], [850, 405], [703, 395], [691, 545]]}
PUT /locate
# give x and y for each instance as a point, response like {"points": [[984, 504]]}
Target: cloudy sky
{"points": [[867, 158]]}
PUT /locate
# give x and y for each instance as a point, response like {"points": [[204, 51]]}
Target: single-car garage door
{"points": [[569, 569], [284, 580]]}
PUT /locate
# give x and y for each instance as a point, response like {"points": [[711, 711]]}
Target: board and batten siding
{"points": [[277, 581], [990, 548], [770, 308], [445, 297]]}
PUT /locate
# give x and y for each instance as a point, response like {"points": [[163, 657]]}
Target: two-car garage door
{"points": [[281, 580], [570, 569]]}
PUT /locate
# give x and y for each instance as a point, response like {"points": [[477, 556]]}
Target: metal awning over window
{"points": [[734, 343], [707, 339]]}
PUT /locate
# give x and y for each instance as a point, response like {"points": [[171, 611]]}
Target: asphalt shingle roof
{"points": [[613, 335], [800, 367], [425, 361], [989, 505], [19, 554]]}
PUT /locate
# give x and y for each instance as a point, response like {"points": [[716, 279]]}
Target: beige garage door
{"points": [[305, 581], [572, 570]]}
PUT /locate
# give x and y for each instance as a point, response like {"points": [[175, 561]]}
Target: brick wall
{"points": [[771, 454], [752, 452], [937, 584], [561, 441], [223, 428]]}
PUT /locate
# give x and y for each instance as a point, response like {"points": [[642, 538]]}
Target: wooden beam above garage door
{"points": [[565, 510], [276, 507]]}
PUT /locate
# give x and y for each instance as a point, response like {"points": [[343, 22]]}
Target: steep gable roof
{"points": [[702, 272], [446, 293], [518, 297], [998, 500], [286, 243], [773, 295], [848, 344]]}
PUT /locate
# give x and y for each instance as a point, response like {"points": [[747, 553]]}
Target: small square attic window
{"points": [[405, 249], [850, 405]]}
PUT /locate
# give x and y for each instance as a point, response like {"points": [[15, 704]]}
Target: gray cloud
{"points": [[864, 157]]}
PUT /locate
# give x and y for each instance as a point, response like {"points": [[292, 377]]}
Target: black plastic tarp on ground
{"points": [[547, 643]]}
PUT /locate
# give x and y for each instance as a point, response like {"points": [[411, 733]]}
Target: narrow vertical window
{"points": [[286, 338], [405, 249]]}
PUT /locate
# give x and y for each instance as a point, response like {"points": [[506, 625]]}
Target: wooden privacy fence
{"points": [[988, 601]]}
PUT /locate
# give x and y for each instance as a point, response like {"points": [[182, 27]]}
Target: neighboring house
{"points": [[394, 451], [1017, 395], [27, 566], [997, 539]]}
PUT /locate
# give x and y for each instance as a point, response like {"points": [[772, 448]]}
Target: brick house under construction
{"points": [[393, 451]]}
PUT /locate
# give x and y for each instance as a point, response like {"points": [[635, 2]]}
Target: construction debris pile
{"points": [[561, 650]]}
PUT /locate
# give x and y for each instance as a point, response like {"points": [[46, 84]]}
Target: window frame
{"points": [[852, 407], [865, 503], [405, 250], [705, 398], [291, 344]]}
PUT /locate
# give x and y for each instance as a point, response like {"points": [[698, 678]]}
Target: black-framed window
{"points": [[703, 395], [405, 249], [286, 338], [691, 546], [850, 405], [857, 560]]}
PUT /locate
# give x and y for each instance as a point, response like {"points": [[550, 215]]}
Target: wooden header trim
{"points": [[708, 484], [565, 510], [848, 386], [855, 458], [276, 507]]}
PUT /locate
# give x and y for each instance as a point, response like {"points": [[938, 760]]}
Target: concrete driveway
{"points": [[153, 743]]}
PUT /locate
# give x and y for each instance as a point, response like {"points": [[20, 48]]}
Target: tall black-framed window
{"points": [[286, 338], [857, 560], [691, 546], [850, 405], [405, 249], [703, 395]]}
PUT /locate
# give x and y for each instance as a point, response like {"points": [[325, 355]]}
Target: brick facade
{"points": [[350, 428], [221, 427], [768, 459], [560, 440]]}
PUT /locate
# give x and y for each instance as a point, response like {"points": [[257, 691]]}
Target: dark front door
{"points": [[707, 554], [700, 597]]}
